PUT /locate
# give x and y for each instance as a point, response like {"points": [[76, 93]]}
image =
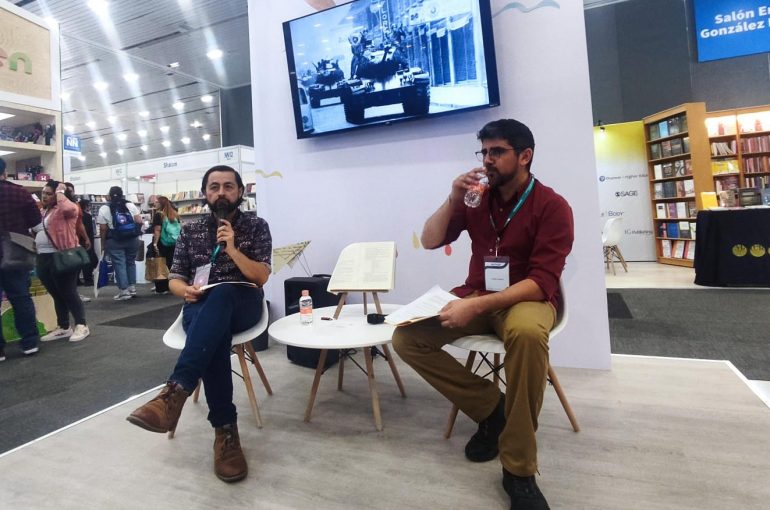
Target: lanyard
{"points": [[516, 208], [216, 252]]}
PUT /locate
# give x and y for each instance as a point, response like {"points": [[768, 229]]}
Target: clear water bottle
{"points": [[306, 308], [474, 194]]}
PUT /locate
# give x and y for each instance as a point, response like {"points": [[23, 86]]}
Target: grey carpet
{"points": [[617, 307], [159, 318], [729, 324]]}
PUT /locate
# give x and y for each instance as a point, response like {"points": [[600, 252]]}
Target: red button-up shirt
{"points": [[537, 239]]}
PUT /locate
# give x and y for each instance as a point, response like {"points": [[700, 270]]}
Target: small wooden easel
{"points": [[344, 297]]}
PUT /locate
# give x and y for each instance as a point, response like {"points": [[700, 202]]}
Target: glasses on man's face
{"points": [[492, 152]]}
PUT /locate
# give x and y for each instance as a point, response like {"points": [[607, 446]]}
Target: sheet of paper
{"points": [[365, 266], [426, 306], [210, 285]]}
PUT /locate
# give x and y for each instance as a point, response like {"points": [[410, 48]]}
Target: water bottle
{"points": [[306, 308], [474, 194]]}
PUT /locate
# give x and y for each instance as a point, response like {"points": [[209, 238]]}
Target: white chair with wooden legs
{"points": [[491, 344], [612, 233], [175, 337]]}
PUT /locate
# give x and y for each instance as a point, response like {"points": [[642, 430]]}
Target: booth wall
{"points": [[382, 183]]}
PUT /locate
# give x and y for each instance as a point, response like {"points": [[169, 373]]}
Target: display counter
{"points": [[733, 248]]}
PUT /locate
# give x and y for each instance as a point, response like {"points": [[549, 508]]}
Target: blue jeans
{"points": [[122, 252], [15, 284], [210, 324]]}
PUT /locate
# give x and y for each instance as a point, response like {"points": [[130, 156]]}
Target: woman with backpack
{"points": [[166, 228], [119, 226]]}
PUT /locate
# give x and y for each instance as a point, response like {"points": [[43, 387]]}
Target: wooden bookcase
{"points": [[679, 170]]}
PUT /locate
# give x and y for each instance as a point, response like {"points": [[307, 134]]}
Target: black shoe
{"points": [[483, 444], [524, 493]]}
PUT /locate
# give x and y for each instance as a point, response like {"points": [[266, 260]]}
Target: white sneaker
{"points": [[84, 299], [122, 295], [81, 331], [56, 334], [132, 290]]}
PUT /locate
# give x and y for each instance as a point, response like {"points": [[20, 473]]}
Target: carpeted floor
{"points": [[731, 324]]}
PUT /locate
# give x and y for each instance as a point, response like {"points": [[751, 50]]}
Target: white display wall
{"points": [[382, 183]]}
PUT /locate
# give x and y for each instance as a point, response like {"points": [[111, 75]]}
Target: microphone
{"points": [[220, 213]]}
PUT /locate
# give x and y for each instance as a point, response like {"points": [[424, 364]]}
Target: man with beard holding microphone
{"points": [[521, 234], [226, 246]]}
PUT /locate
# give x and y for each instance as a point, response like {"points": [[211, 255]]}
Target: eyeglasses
{"points": [[493, 153]]}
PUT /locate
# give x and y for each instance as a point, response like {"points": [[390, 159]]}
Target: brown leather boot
{"points": [[161, 414], [229, 462]]}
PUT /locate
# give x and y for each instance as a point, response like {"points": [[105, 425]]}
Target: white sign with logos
{"points": [[72, 145], [118, 172]]}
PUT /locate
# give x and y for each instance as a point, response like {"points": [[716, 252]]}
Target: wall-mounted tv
{"points": [[372, 62]]}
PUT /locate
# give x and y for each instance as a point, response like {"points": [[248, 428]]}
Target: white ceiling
{"points": [[143, 37]]}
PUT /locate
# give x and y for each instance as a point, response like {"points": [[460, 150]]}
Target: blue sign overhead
{"points": [[71, 143], [731, 28]]}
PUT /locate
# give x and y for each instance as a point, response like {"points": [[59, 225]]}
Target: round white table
{"points": [[349, 331]]}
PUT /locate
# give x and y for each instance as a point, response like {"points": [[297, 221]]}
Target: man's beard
{"points": [[224, 205]]}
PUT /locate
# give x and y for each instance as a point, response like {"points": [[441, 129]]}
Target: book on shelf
{"points": [[676, 147], [673, 126], [665, 148], [663, 128], [669, 189], [678, 250], [687, 167], [660, 211], [658, 190], [726, 183], [679, 168], [681, 209], [684, 229], [689, 250], [655, 151], [672, 230], [424, 307], [661, 229], [367, 266], [657, 171], [692, 209], [724, 166], [689, 187], [665, 247], [686, 144], [668, 170], [654, 132], [723, 148], [671, 210], [680, 191]]}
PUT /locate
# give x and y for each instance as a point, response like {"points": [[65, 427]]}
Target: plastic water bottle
{"points": [[474, 194], [306, 308]]}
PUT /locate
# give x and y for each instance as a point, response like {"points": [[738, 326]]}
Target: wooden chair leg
{"points": [[239, 350], [450, 424], [341, 369], [319, 369], [373, 388], [393, 369], [620, 257], [496, 376], [563, 399], [258, 366]]}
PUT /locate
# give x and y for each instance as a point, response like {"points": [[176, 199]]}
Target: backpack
{"points": [[169, 232], [123, 225]]}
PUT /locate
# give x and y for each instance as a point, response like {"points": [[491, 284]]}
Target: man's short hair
{"points": [[220, 168], [69, 185], [512, 131], [2, 166]]}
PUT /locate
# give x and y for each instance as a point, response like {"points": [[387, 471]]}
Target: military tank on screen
{"points": [[381, 75], [328, 78]]}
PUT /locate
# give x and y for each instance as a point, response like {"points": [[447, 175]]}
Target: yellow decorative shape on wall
{"points": [[272, 174], [757, 250], [416, 241], [740, 250]]}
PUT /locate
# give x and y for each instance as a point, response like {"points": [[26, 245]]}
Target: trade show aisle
{"points": [[66, 382]]}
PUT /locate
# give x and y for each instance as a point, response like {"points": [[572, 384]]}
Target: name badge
{"points": [[202, 275], [496, 274]]}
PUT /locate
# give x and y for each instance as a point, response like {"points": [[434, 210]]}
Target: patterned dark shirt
{"points": [[197, 242], [18, 212]]}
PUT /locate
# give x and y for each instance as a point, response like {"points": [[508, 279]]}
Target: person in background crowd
{"points": [[18, 213], [88, 225], [57, 232], [521, 234], [85, 241], [226, 246], [118, 230], [166, 228]]}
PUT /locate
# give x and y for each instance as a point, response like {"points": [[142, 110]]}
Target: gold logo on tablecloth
{"points": [[740, 250], [757, 250]]}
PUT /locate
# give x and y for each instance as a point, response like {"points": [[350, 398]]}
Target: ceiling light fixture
{"points": [[142, 133], [164, 129], [65, 96], [122, 137], [196, 124], [131, 77], [100, 7], [207, 98], [99, 141], [51, 21], [215, 54], [69, 128], [91, 124], [112, 119], [173, 65], [185, 140], [144, 148], [119, 152], [82, 158], [178, 106], [101, 85], [206, 137], [144, 114], [103, 154], [166, 143]]}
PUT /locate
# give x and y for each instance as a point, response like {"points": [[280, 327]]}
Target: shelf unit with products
{"points": [[679, 171], [29, 143], [754, 145]]}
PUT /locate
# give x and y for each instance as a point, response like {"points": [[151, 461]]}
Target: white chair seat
{"points": [[175, 337]]}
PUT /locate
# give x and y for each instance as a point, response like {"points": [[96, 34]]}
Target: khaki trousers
{"points": [[524, 329]]}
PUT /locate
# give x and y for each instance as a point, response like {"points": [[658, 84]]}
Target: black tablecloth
{"points": [[733, 248]]}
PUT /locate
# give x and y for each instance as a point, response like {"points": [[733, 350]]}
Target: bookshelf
{"points": [[678, 159], [30, 144]]}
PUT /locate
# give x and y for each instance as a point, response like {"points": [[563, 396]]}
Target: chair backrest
{"points": [[612, 232], [175, 337], [562, 312]]}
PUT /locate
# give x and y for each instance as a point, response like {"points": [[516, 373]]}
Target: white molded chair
{"points": [[491, 344], [612, 233], [175, 337]]}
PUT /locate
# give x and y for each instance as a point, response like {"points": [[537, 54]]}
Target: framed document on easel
{"points": [[364, 267]]}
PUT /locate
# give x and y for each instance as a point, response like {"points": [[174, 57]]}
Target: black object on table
{"points": [[733, 248]]}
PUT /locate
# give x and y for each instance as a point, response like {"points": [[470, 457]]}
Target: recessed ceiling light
{"points": [[103, 154], [100, 7], [144, 148], [82, 158], [196, 124], [179, 105], [101, 85], [65, 96], [215, 54], [99, 141], [69, 127], [166, 143], [142, 132], [91, 124], [164, 129], [122, 137], [51, 21], [4, 116], [173, 65], [130, 77], [112, 119], [206, 137], [144, 114], [207, 98], [119, 152], [185, 140]]}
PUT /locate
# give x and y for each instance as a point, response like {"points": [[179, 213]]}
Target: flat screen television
{"points": [[374, 62]]}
